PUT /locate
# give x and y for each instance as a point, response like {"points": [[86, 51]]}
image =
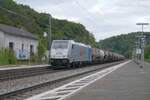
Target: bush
{"points": [[147, 53], [3, 57], [7, 56], [41, 49], [12, 58], [148, 59]]}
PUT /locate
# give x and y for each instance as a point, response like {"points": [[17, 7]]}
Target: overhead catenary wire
{"points": [[10, 11], [13, 12]]}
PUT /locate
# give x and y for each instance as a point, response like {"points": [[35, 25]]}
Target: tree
{"points": [[37, 23], [41, 49], [122, 44]]}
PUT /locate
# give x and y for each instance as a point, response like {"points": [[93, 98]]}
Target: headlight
{"points": [[64, 56], [52, 56]]}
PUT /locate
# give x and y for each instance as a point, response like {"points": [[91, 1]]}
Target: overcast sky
{"points": [[104, 18]]}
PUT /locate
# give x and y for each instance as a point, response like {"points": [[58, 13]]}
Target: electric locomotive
{"points": [[68, 53]]}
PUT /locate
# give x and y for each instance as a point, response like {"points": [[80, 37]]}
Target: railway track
{"points": [[21, 73], [45, 84]]}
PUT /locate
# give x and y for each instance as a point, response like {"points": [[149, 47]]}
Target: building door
{"points": [[31, 49], [11, 45], [22, 47]]}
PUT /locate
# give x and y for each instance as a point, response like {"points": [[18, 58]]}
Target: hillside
{"points": [[25, 17], [122, 44]]}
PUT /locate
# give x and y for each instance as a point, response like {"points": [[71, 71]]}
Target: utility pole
{"points": [[49, 38], [142, 43]]}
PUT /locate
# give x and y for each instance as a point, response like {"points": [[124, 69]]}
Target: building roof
{"points": [[17, 31]]}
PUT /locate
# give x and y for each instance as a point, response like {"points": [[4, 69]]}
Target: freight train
{"points": [[70, 54]]}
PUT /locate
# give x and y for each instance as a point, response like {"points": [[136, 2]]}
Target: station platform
{"points": [[130, 82], [11, 67]]}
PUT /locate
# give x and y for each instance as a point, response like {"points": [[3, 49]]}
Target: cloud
{"points": [[104, 18], [95, 9]]}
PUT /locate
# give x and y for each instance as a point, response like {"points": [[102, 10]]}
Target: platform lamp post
{"points": [[137, 45], [142, 43], [135, 56]]}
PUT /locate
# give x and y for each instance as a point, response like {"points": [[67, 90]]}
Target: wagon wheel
{"points": [[69, 65], [73, 65]]}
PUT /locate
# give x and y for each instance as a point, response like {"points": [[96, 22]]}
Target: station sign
{"points": [[138, 51]]}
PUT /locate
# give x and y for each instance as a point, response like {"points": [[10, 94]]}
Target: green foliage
{"points": [[147, 52], [3, 57], [7, 57], [122, 44], [38, 23], [41, 49], [11, 57], [4, 19]]}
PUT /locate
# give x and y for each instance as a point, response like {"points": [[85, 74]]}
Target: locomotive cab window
{"points": [[72, 46], [60, 44]]}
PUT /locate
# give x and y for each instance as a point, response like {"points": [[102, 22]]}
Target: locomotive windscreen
{"points": [[60, 44]]}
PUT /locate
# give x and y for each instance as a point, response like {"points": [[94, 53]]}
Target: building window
{"points": [[22, 47], [31, 49], [11, 45]]}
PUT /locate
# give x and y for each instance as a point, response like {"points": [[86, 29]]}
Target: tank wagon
{"points": [[97, 55], [68, 53]]}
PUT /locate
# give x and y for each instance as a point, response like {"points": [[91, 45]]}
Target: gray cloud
{"points": [[104, 18]]}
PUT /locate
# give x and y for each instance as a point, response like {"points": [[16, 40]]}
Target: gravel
{"points": [[17, 84]]}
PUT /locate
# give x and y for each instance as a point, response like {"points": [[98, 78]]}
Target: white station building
{"points": [[22, 42]]}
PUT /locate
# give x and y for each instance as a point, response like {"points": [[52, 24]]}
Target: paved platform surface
{"points": [[129, 82]]}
